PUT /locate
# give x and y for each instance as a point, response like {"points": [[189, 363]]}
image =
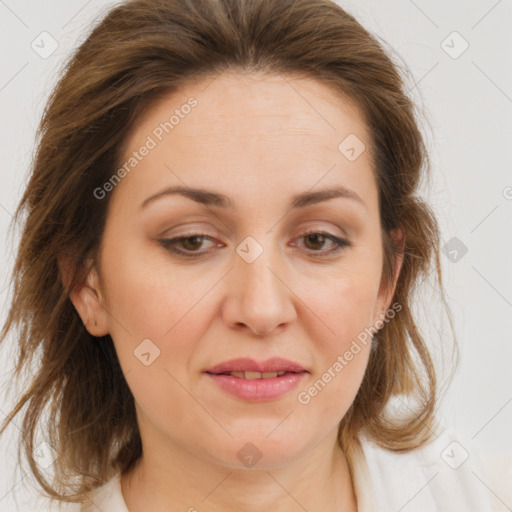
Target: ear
{"points": [[387, 290], [86, 296]]}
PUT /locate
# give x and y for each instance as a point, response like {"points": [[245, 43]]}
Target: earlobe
{"points": [[86, 297]]}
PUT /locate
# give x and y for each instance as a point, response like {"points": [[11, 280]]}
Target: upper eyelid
{"points": [[202, 234], [214, 232], [337, 241]]}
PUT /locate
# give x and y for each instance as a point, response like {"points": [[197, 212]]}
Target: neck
{"points": [[181, 481]]}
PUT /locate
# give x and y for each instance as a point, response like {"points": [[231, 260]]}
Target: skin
{"points": [[259, 141]]}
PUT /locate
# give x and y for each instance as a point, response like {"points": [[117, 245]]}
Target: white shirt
{"points": [[445, 475]]}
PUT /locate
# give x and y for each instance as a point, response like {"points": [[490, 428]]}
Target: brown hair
{"points": [[138, 52]]}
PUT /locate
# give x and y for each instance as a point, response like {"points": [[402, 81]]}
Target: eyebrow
{"points": [[209, 198]]}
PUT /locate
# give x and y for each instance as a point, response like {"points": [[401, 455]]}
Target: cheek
{"points": [[340, 329], [343, 305], [147, 296]]}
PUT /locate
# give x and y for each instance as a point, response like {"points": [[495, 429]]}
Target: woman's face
{"points": [[245, 280]]}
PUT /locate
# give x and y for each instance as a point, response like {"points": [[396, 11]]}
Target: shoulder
{"points": [[449, 473], [497, 476]]}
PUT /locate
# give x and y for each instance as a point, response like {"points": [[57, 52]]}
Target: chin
{"points": [[255, 449]]}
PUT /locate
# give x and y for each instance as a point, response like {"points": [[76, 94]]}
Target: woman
{"points": [[223, 233]]}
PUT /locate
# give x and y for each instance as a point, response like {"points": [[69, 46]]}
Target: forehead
{"points": [[250, 133], [267, 103]]}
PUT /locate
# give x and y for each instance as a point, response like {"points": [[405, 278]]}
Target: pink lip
{"points": [[275, 364], [257, 390]]}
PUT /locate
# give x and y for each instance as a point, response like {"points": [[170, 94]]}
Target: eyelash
{"points": [[169, 243]]}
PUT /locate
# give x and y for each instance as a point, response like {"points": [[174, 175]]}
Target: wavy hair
{"points": [[138, 52]]}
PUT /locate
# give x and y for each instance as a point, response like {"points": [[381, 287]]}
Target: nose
{"points": [[258, 296]]}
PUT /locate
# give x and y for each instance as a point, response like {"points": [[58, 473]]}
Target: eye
{"points": [[315, 240], [189, 244]]}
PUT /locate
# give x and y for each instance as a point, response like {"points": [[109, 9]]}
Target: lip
{"points": [[274, 364], [257, 390]]}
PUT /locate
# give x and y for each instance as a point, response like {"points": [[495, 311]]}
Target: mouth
{"points": [[248, 375], [254, 381], [256, 369]]}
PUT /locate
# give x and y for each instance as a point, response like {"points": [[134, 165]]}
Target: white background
{"points": [[468, 106]]}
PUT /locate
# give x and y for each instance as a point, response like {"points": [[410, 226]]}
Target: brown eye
{"points": [[192, 243], [187, 245], [315, 241]]}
